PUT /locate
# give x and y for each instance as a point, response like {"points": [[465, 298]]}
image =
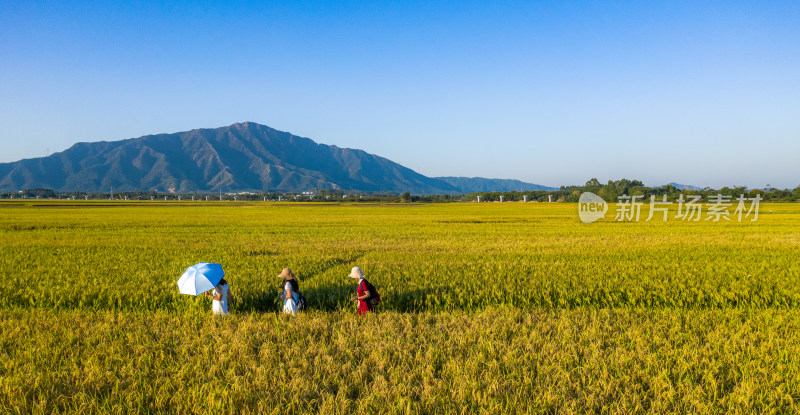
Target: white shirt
{"points": [[221, 306], [289, 305]]}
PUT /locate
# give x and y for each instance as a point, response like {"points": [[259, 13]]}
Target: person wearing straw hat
{"points": [[291, 291], [362, 292]]}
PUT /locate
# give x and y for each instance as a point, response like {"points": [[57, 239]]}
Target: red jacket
{"points": [[364, 306]]}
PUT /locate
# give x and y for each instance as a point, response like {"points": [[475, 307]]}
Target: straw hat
{"points": [[356, 273], [286, 273]]}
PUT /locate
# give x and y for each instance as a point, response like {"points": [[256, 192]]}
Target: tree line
{"points": [[609, 191]]}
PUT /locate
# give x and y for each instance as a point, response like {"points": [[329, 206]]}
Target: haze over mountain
{"points": [[480, 184], [685, 186], [240, 157]]}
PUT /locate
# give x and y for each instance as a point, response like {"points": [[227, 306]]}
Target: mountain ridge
{"points": [[243, 156]]}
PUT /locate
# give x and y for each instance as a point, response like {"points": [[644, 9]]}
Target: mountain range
{"points": [[240, 157]]}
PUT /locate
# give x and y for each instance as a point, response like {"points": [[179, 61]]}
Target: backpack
{"points": [[301, 302], [301, 299], [374, 298]]}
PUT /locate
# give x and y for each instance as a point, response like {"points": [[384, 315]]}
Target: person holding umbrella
{"points": [[220, 298], [202, 277]]}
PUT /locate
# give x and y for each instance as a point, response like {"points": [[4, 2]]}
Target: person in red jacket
{"points": [[362, 292]]}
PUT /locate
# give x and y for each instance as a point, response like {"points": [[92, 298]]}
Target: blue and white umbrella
{"points": [[200, 278]]}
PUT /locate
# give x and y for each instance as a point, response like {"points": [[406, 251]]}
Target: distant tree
{"points": [[754, 192], [609, 192], [593, 185], [573, 196], [624, 186], [737, 190], [667, 189], [42, 193], [784, 194]]}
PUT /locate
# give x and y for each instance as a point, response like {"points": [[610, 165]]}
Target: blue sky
{"points": [[703, 93]]}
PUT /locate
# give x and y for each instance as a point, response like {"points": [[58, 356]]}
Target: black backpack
{"points": [[374, 298], [301, 300]]}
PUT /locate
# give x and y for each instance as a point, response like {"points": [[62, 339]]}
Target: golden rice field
{"points": [[487, 308]]}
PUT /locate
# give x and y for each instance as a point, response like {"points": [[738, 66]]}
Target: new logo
{"points": [[591, 207]]}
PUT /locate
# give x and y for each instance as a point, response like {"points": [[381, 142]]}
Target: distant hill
{"points": [[243, 156], [240, 157], [685, 186], [480, 184]]}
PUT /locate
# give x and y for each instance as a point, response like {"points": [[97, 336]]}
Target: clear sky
{"points": [[551, 92]]}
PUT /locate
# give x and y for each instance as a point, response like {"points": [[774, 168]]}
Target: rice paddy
{"points": [[512, 307]]}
